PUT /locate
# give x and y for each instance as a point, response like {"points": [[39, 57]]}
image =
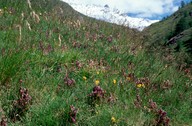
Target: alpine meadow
{"points": [[61, 68]]}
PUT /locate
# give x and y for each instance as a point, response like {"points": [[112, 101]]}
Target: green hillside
{"points": [[61, 68], [174, 32]]}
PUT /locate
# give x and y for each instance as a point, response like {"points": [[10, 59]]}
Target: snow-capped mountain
{"points": [[111, 15]]}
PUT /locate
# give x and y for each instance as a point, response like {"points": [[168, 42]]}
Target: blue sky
{"points": [[150, 9], [176, 4]]}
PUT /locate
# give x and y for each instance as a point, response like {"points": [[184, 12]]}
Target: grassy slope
{"points": [[160, 33], [39, 59]]}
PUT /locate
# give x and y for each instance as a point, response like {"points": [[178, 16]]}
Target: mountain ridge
{"points": [[112, 15]]}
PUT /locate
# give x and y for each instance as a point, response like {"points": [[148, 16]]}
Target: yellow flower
{"points": [[139, 85], [128, 78], [113, 120], [114, 81], [97, 82], [97, 72], [84, 78], [143, 85]]}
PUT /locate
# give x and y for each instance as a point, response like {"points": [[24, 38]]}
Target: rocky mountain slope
{"points": [[174, 31]]}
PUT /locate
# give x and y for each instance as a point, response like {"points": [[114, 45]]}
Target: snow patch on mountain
{"points": [[111, 15]]}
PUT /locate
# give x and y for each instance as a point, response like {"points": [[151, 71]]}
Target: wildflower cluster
{"points": [[73, 114], [68, 81], [97, 92], [142, 82], [96, 95], [3, 122], [161, 115], [24, 99], [78, 64], [110, 39], [162, 118], [52, 43], [21, 105]]}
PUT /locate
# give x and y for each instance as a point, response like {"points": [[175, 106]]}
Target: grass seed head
{"points": [[84, 78]]}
